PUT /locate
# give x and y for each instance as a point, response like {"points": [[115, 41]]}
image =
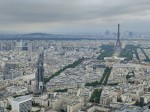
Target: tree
{"points": [[9, 107], [95, 97], [119, 99], [62, 110]]}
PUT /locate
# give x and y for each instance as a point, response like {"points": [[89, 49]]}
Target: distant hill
{"points": [[45, 36], [37, 35]]}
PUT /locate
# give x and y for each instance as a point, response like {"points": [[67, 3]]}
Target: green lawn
{"points": [[106, 51]]}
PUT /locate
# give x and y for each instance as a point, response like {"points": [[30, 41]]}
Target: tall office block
{"points": [[22, 104]]}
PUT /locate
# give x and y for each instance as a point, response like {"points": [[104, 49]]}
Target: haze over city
{"points": [[74, 56], [73, 16]]}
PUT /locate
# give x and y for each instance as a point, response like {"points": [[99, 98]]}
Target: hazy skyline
{"points": [[74, 16]]}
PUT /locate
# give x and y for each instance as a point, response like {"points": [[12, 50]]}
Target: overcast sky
{"points": [[74, 16]]}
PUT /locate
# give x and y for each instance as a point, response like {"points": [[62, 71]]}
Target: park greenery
{"points": [[113, 84], [106, 51], [35, 104], [128, 52], [139, 103], [107, 74], [73, 65], [147, 58], [95, 97], [61, 90], [96, 83], [136, 54]]}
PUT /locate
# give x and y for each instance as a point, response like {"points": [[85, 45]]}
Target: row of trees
{"points": [[95, 97], [103, 80], [61, 90], [107, 74], [73, 65], [128, 52], [147, 58], [135, 51], [139, 103], [96, 83]]}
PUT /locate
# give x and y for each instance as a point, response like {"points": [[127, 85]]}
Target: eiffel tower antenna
{"points": [[118, 48]]}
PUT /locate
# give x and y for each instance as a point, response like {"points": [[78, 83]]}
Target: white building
{"points": [[17, 89], [22, 104]]}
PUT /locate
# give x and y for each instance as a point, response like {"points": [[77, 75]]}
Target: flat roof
{"points": [[23, 98]]}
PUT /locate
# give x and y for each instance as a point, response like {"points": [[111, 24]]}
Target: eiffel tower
{"points": [[118, 47]]}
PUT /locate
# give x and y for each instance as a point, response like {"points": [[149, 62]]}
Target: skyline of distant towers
{"points": [[118, 45]]}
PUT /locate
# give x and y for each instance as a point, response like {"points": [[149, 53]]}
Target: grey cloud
{"points": [[62, 11]]}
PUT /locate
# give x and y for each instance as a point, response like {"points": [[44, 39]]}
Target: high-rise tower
{"points": [[118, 47]]}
